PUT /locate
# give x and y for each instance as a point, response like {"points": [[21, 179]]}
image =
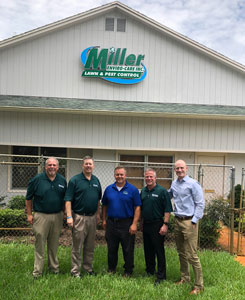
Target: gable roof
{"points": [[130, 12]]}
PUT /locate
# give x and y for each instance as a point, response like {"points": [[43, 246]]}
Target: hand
{"points": [[30, 219], [193, 225], [97, 218], [133, 229], [70, 222], [104, 224], [163, 230]]}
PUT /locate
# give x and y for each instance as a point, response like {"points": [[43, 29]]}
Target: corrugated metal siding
{"points": [[51, 66], [109, 132]]}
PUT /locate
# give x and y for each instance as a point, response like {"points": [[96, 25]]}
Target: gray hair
{"points": [[52, 157], [151, 170]]}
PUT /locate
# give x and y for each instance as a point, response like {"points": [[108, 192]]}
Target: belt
{"points": [[184, 217], [85, 214], [152, 221], [119, 220]]}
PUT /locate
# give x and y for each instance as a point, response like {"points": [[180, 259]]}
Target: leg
{"points": [[181, 249], [78, 237], [112, 245], [127, 242], [53, 241], [40, 228], [158, 245], [88, 249], [191, 236], [148, 250]]}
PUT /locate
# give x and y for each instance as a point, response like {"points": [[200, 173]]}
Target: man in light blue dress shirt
{"points": [[188, 209]]}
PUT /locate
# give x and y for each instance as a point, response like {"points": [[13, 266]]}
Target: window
{"points": [[109, 24], [135, 172], [121, 25], [24, 168]]}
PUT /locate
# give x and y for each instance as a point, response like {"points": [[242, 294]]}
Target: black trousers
{"points": [[154, 247], [117, 232]]}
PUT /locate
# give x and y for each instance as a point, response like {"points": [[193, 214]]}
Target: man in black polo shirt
{"points": [[155, 211], [47, 190], [83, 213]]}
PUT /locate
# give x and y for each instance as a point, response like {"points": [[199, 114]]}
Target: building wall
{"points": [[114, 132], [50, 66]]}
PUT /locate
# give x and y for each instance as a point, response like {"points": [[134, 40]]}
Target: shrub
{"points": [[17, 202], [215, 213], [13, 218]]}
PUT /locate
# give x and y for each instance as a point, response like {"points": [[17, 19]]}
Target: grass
{"points": [[223, 278]]}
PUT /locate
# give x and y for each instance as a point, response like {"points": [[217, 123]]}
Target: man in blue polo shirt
{"points": [[120, 212], [45, 193]]}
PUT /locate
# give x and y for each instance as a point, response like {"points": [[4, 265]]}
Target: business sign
{"points": [[113, 65]]}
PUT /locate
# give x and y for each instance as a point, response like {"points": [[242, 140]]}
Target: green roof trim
{"points": [[109, 106]]}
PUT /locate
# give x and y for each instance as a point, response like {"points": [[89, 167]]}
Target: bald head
{"points": [[180, 168]]}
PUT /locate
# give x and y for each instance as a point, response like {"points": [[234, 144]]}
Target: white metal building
{"points": [[190, 105]]}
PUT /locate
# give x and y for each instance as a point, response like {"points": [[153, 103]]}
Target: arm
{"points": [[164, 228], [69, 214], [104, 213], [29, 211], [133, 227], [198, 199], [98, 213]]}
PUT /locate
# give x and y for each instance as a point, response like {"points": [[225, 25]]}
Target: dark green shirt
{"points": [[155, 203], [84, 194], [47, 195]]}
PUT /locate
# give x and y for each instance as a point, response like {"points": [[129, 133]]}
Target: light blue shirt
{"points": [[188, 198]]}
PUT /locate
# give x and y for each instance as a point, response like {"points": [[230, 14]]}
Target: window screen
{"points": [[121, 25]]}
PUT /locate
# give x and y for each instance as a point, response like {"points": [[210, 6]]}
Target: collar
{"points": [[151, 189], [115, 186], [186, 178]]}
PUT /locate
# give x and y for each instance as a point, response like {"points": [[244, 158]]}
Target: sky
{"points": [[217, 24]]}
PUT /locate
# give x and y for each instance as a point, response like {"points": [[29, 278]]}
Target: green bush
{"points": [[13, 218], [215, 213], [17, 202]]}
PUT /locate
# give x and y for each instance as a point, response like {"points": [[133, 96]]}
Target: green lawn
{"points": [[223, 278]]}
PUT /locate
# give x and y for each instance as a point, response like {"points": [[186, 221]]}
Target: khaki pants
{"points": [[83, 237], [46, 227], [186, 241]]}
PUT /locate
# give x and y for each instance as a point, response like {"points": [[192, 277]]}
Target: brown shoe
{"points": [[181, 281], [196, 291]]}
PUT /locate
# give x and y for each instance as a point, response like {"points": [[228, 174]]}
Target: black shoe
{"points": [[111, 271], [126, 274], [158, 281], [150, 273], [91, 273]]}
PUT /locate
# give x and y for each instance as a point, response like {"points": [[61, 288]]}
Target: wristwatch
{"points": [[166, 223]]}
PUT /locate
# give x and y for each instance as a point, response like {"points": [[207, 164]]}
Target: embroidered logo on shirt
{"points": [[154, 195], [125, 193], [95, 185], [61, 186]]}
